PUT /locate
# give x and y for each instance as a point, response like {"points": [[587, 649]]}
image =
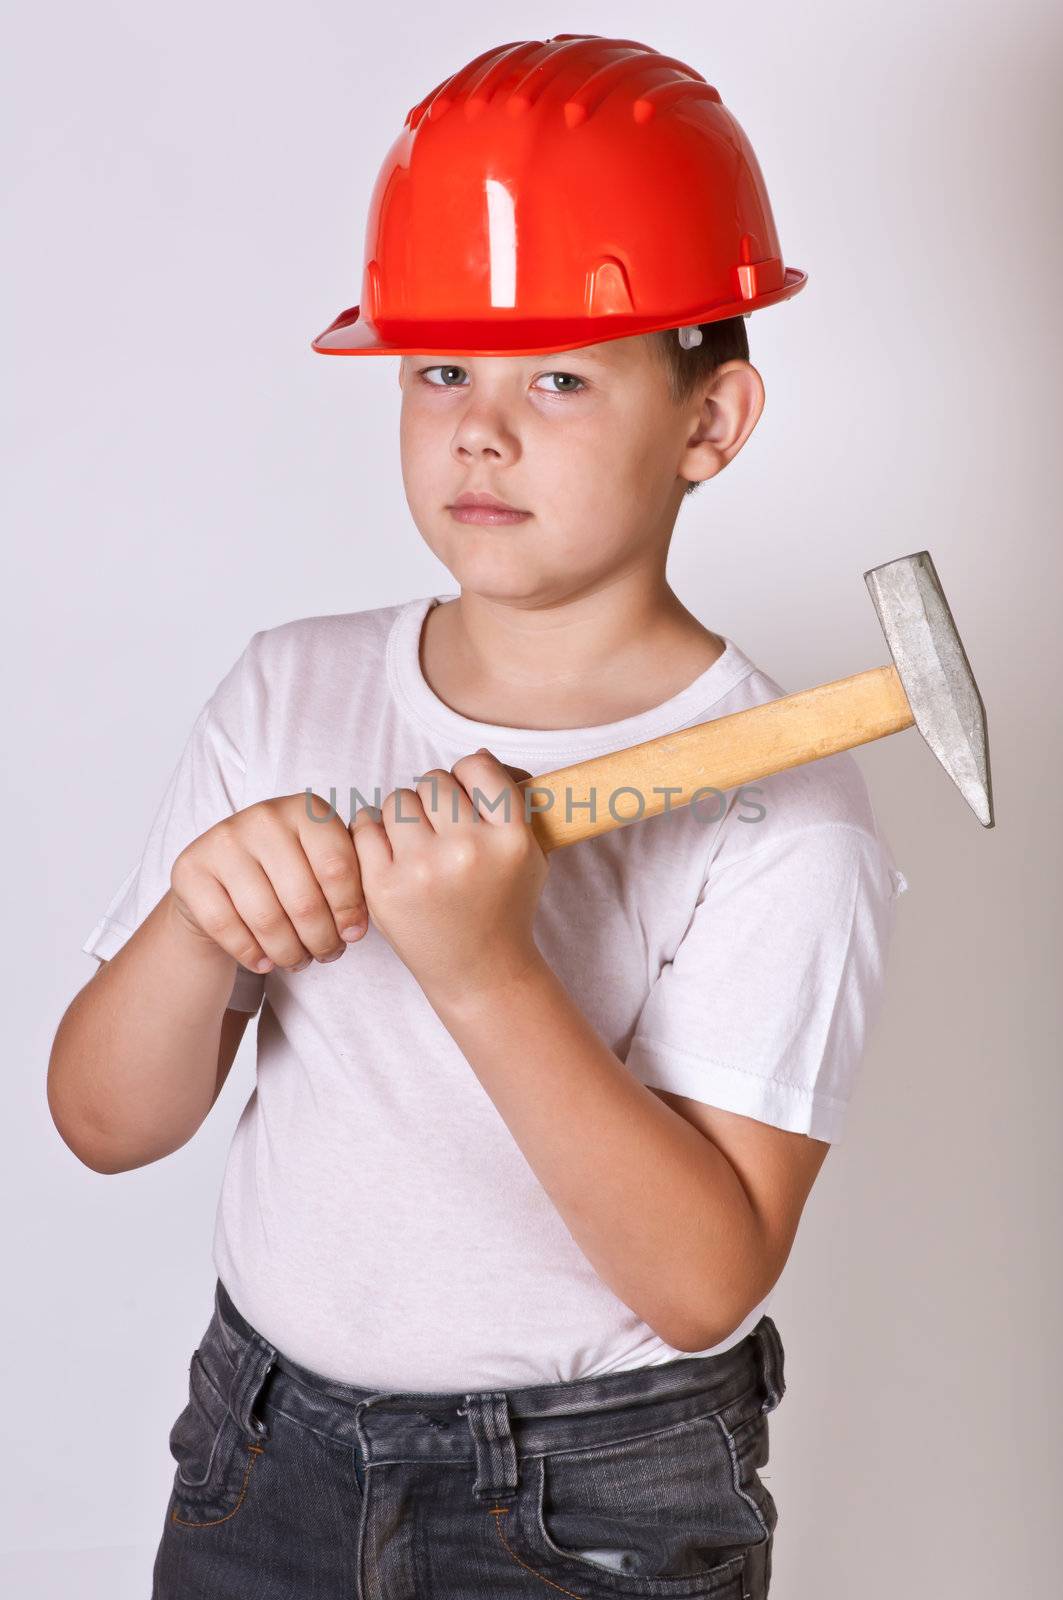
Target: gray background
{"points": [[185, 198]]}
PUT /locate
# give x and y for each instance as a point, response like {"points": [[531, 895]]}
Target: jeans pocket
{"points": [[666, 1513], [215, 1461]]}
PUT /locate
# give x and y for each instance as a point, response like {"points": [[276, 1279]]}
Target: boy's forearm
{"points": [[133, 1067], [655, 1206]]}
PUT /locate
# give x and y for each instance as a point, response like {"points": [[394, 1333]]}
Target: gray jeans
{"points": [[639, 1483]]}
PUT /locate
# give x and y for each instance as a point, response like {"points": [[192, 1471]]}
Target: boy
{"points": [[502, 1216]]}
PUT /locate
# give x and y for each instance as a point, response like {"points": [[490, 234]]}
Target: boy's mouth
{"points": [[485, 508]]}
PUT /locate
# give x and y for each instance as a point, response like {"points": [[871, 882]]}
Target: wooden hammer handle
{"points": [[613, 790]]}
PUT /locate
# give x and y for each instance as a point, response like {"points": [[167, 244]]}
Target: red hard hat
{"points": [[557, 193]]}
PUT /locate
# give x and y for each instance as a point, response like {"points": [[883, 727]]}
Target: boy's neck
{"points": [[579, 665]]}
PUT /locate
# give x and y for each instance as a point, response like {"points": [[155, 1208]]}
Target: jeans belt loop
{"points": [[252, 1369], [487, 1413], [772, 1363]]}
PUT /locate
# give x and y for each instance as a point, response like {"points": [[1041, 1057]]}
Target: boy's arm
{"points": [[137, 1059], [688, 1214], [688, 1238], [776, 1167], [687, 1211], [233, 1028]]}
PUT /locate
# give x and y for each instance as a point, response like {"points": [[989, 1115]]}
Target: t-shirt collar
{"points": [[545, 747]]}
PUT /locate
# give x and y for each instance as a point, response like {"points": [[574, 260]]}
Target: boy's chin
{"points": [[506, 585]]}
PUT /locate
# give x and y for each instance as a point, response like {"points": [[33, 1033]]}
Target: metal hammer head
{"points": [[935, 673]]}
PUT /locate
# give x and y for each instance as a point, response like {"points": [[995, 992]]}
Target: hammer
{"points": [[929, 683]]}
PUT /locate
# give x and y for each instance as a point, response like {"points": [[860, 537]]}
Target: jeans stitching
{"points": [[253, 1451], [498, 1512]]}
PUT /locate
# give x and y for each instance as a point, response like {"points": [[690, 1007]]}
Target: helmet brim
{"points": [[350, 334]]}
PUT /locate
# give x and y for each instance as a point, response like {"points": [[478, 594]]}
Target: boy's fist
{"points": [[273, 887], [452, 875]]}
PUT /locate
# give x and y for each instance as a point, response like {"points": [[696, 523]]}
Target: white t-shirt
{"points": [[377, 1221]]}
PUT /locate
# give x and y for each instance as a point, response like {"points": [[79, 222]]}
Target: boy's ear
{"points": [[730, 403]]}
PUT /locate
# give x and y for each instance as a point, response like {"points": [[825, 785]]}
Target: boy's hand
{"points": [[272, 884], [453, 885]]}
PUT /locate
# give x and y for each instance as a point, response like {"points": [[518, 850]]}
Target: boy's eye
{"points": [[569, 379]]}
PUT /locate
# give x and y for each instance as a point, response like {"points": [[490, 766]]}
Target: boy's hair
{"points": [[686, 369]]}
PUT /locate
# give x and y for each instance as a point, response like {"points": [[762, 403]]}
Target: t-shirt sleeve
{"points": [[769, 999], [206, 785]]}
